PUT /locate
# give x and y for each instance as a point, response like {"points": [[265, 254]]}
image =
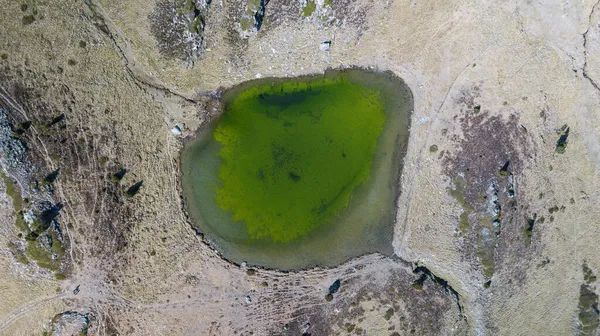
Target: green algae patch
{"points": [[300, 172], [296, 151]]}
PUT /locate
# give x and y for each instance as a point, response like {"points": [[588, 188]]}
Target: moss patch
{"points": [[17, 201], [37, 251], [309, 9], [45, 249], [459, 194], [588, 309], [28, 19], [388, 314], [485, 254]]}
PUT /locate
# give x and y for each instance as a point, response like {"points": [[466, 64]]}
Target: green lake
{"points": [[300, 172]]}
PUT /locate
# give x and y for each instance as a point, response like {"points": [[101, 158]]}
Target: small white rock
{"points": [[422, 120], [248, 299], [176, 130], [325, 46]]}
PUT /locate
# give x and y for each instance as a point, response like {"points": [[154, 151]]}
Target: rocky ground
{"points": [[497, 224]]}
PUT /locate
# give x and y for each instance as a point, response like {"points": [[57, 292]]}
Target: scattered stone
{"points": [[335, 286], [178, 27], [561, 144], [325, 46], [248, 299], [504, 170], [133, 190], [71, 323], [306, 327], [176, 130], [252, 20], [529, 229]]}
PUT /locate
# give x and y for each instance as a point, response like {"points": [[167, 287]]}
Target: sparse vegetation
{"points": [[17, 201], [309, 9], [588, 274], [38, 251], [485, 254], [458, 194], [28, 19], [504, 170], [197, 26], [20, 257], [388, 314], [178, 27], [349, 327], [102, 161], [418, 284], [118, 176], [51, 178], [588, 309]]}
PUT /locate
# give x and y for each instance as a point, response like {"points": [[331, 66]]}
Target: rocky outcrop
{"points": [[178, 27]]}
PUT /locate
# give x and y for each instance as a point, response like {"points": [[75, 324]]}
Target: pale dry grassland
{"points": [[492, 82]]}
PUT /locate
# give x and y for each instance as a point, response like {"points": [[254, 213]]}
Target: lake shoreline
{"points": [[398, 154]]}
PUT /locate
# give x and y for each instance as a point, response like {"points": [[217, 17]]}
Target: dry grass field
{"points": [[497, 225]]}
